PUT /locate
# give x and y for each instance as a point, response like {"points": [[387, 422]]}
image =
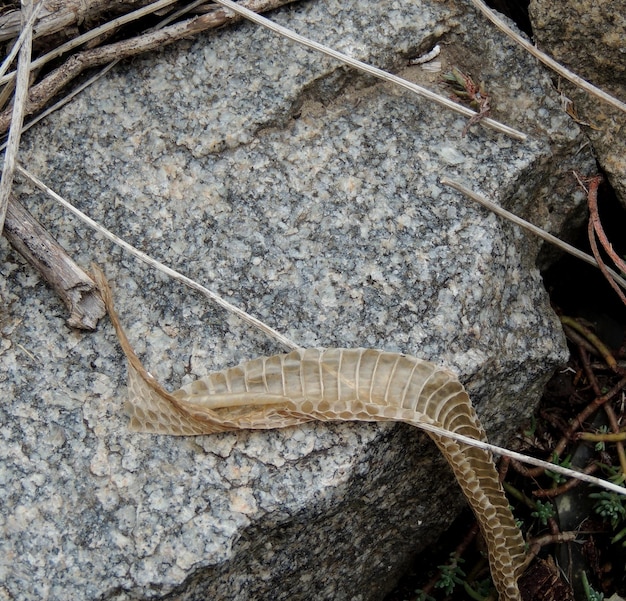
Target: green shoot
{"points": [[590, 593], [543, 512], [610, 506], [451, 574]]}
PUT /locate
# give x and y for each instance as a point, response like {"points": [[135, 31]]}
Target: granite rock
{"points": [[310, 196], [588, 37]]}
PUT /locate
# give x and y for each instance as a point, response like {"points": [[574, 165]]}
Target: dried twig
{"points": [[76, 289], [550, 493], [546, 60], [54, 82], [579, 254], [595, 228], [570, 433], [57, 17], [85, 84], [253, 321], [370, 70], [535, 544], [20, 40], [292, 345], [21, 92], [92, 34], [592, 339]]}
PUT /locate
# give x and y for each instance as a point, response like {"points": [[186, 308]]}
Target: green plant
{"points": [[610, 506], [451, 574], [590, 593], [422, 596], [600, 445], [543, 512], [532, 428], [558, 478]]}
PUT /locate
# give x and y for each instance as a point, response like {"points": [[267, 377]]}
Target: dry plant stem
{"points": [[253, 321], [581, 342], [535, 544], [21, 93], [63, 101], [608, 437], [530, 227], [608, 408], [592, 339], [596, 225], [574, 425], [71, 283], [603, 268], [550, 493], [619, 446], [370, 70], [591, 377], [292, 345], [57, 15], [20, 40], [547, 60], [41, 93], [93, 33]]}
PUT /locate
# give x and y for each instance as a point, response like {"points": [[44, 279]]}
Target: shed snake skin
{"points": [[336, 384]]}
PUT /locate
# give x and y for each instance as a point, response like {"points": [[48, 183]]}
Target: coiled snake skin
{"points": [[337, 385]]}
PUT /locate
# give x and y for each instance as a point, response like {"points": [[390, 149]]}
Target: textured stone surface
{"points": [[589, 37], [309, 196]]}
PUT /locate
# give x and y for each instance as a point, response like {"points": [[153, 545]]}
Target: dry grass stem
{"points": [[595, 229], [291, 345], [19, 102], [85, 84], [62, 16], [54, 82], [602, 266], [249, 319], [572, 250], [370, 70], [20, 40], [73, 286], [547, 60], [92, 34]]}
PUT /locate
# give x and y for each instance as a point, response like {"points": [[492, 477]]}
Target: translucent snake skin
{"points": [[338, 385]]}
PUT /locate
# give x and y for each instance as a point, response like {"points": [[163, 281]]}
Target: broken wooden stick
{"points": [[77, 290]]}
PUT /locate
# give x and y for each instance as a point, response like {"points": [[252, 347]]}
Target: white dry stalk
{"points": [[253, 321], [63, 101], [547, 60], [19, 102], [568, 248], [93, 33], [20, 40], [292, 345], [370, 70]]}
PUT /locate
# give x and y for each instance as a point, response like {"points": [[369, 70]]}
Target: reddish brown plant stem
{"points": [[550, 493], [619, 445], [575, 424], [595, 228]]}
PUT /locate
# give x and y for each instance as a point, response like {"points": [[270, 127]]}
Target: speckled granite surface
{"points": [[309, 196]]}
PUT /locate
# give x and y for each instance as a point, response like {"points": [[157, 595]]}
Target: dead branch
{"points": [[21, 93], [42, 92], [41, 250], [64, 15]]}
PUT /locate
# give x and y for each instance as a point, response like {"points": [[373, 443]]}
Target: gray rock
{"points": [[588, 37], [308, 195]]}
